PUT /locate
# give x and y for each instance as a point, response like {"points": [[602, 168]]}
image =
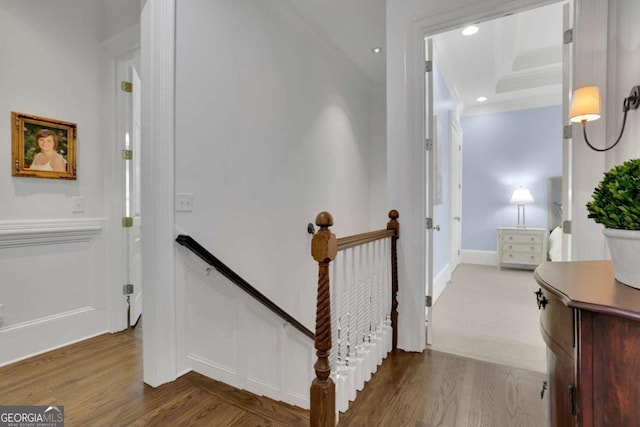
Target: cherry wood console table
{"points": [[591, 325]]}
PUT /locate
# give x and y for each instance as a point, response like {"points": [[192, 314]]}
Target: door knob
{"points": [[457, 218], [437, 228]]}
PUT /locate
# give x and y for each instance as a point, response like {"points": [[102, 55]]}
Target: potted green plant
{"points": [[616, 205]]}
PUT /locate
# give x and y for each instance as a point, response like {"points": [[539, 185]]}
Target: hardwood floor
{"points": [[99, 382], [439, 389]]}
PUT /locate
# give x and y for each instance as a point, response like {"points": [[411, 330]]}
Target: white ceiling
{"points": [[514, 61], [353, 26]]}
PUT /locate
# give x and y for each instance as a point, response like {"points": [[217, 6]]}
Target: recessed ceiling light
{"points": [[481, 98], [470, 30], [376, 50]]}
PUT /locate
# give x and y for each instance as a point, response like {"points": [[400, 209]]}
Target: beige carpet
{"points": [[490, 315]]}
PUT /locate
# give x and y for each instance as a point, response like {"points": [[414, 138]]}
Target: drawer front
{"points": [[521, 258], [521, 237], [522, 247], [557, 321]]}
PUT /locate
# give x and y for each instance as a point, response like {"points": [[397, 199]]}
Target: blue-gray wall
{"points": [[442, 104], [501, 152]]}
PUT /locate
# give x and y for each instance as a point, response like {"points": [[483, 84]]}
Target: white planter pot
{"points": [[624, 246]]}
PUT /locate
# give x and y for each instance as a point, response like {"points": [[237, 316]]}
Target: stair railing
{"points": [[199, 250], [357, 310]]}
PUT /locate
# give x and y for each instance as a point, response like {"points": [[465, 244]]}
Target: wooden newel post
{"points": [[324, 248], [395, 226]]}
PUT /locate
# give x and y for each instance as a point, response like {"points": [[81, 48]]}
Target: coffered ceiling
{"points": [[514, 61]]}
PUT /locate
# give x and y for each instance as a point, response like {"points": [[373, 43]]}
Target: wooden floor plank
{"points": [[99, 381]]}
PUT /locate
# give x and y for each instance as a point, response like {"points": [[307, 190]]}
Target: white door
{"points": [[131, 118], [430, 183], [135, 251], [455, 136], [567, 146]]}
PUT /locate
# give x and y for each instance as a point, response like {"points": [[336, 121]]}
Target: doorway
{"points": [[452, 221]]}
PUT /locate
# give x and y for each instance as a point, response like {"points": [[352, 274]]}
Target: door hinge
{"points": [[566, 226], [572, 399], [127, 154], [126, 87], [428, 66], [127, 289], [567, 132], [428, 301], [429, 223], [428, 144], [567, 36], [127, 221]]}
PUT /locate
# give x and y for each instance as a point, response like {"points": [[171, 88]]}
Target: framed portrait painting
{"points": [[42, 147]]}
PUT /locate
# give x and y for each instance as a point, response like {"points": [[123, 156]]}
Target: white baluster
{"points": [[387, 293], [355, 359]]}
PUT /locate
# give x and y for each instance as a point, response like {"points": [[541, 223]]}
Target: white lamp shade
{"points": [[585, 105], [521, 196]]}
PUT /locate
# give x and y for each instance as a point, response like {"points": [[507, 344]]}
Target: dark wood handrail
{"points": [[364, 238], [209, 258]]}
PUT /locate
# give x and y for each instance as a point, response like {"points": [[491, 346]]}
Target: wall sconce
{"points": [[521, 196], [585, 107]]}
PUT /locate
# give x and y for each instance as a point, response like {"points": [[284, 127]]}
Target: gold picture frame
{"points": [[42, 147]]}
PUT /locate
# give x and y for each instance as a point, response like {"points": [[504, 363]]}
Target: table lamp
{"points": [[521, 196]]}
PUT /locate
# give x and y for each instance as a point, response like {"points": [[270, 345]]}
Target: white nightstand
{"points": [[521, 247]]}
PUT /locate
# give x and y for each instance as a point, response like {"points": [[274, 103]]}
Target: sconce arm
{"points": [[584, 132], [632, 102]]}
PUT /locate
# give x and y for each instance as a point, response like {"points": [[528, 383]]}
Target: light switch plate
{"points": [[78, 204]]}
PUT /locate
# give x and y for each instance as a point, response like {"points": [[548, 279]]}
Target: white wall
{"points": [[624, 47], [52, 260], [272, 127], [53, 287], [379, 208], [607, 43]]}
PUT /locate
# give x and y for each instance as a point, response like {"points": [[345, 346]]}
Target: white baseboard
{"points": [[29, 339], [479, 257], [440, 281]]}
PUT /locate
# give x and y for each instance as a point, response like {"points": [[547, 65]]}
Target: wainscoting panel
{"points": [[215, 307], [299, 357], [232, 338], [53, 288], [262, 334]]}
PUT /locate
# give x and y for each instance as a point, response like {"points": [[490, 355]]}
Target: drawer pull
{"points": [[540, 299], [544, 388], [542, 303]]}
